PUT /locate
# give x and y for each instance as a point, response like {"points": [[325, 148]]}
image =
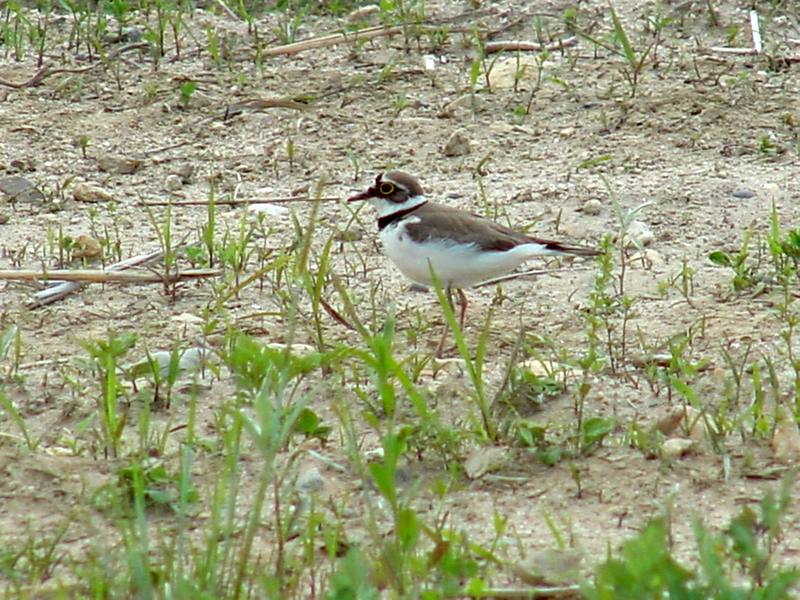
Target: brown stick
{"points": [[520, 46], [332, 40], [101, 276], [238, 202], [47, 70], [264, 103], [59, 290], [367, 33]]}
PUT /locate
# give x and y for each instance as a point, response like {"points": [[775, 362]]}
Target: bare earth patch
{"points": [[708, 144]]}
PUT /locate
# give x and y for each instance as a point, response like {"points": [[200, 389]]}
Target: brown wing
{"points": [[447, 223]]}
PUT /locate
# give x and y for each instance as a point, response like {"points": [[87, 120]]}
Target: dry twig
{"points": [[239, 201], [367, 33], [56, 291], [105, 276], [47, 69], [521, 46]]}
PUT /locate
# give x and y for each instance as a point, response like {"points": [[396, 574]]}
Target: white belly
{"points": [[456, 265]]}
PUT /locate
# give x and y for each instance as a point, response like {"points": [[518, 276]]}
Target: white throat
{"points": [[386, 208]]}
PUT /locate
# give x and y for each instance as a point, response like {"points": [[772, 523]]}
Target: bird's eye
{"points": [[386, 189]]}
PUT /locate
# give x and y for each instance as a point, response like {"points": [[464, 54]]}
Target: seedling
{"points": [[19, 421], [105, 355], [187, 90], [11, 350], [474, 365]]}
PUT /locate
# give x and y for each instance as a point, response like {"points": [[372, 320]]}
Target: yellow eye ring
{"points": [[386, 188]]}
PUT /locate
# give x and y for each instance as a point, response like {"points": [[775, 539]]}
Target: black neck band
{"points": [[384, 222]]}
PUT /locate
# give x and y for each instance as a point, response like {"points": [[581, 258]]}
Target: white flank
{"points": [[456, 265]]}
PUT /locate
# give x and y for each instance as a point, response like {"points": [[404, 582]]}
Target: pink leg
{"points": [[462, 303]]}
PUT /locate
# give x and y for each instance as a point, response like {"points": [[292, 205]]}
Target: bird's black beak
{"points": [[370, 193]]}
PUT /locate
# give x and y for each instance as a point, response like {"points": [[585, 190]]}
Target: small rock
{"points": [[744, 194], [567, 132], [85, 192], [687, 420], [298, 191], [86, 247], [522, 196], [786, 439], [310, 480], [700, 428], [482, 460], [592, 207], [548, 368], [648, 258], [771, 188], [653, 257], [669, 423], [131, 34], [349, 235], [189, 360], [457, 145], [119, 165], [639, 234], [363, 13], [187, 319], [429, 62], [23, 165], [506, 73], [296, 349], [675, 448], [468, 101], [19, 189], [550, 566], [173, 183], [270, 210], [185, 172]]}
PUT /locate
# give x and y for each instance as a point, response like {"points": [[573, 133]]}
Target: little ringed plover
{"points": [[462, 248]]}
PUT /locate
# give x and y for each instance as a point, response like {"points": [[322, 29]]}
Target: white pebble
{"points": [[592, 207]]}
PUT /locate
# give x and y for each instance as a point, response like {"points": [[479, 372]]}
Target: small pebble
{"points": [[185, 172], [592, 207], [676, 447], [23, 165], [349, 235], [483, 460], [189, 360], [118, 165], [786, 439], [743, 194], [86, 247], [457, 145], [19, 189], [84, 192], [272, 210], [467, 101], [173, 183], [363, 13], [310, 479], [640, 234]]}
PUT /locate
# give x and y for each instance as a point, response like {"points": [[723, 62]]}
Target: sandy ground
{"points": [[709, 144]]}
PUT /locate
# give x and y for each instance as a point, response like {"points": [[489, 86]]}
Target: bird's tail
{"points": [[558, 248]]}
